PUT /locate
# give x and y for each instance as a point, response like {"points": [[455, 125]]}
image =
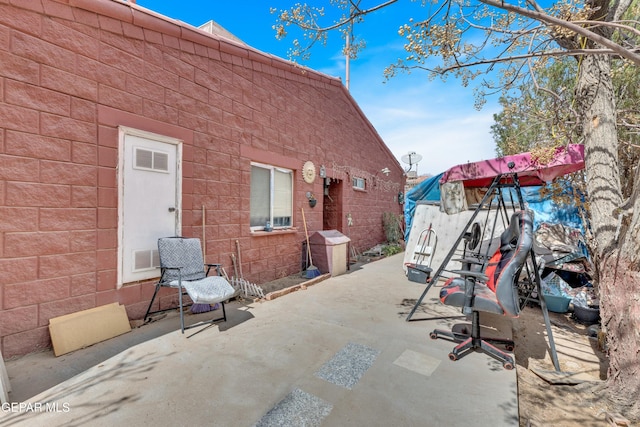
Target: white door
{"points": [[149, 205]]}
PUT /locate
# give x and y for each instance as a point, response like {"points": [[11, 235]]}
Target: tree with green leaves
{"points": [[572, 51]]}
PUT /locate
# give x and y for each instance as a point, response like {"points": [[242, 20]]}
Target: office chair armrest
{"points": [[473, 274], [469, 261]]}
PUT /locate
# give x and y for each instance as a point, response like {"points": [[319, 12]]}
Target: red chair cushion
{"points": [[485, 299]]}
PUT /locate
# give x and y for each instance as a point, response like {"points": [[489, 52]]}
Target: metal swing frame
{"points": [[505, 180]]}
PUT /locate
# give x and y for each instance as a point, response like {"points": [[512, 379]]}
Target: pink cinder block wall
{"points": [[72, 72]]}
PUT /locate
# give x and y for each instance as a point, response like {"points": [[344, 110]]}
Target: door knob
{"points": [[172, 209]]}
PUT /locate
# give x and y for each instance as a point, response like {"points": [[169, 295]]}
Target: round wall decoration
{"points": [[309, 172]]}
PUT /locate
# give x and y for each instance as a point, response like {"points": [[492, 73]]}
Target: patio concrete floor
{"points": [[338, 353]]}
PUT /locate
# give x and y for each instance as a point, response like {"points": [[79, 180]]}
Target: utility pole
{"points": [[347, 70]]}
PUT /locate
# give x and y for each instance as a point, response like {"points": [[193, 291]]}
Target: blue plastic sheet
{"points": [[545, 209], [427, 190]]}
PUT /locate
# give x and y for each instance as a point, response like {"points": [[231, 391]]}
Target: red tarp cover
{"points": [[480, 174]]}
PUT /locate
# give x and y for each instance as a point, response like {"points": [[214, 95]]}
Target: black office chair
{"points": [[494, 291]]}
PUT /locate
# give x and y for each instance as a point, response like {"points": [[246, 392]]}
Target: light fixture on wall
{"points": [[375, 180], [323, 172], [312, 199]]}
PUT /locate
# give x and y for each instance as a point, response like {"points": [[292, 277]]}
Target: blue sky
{"points": [[411, 113]]}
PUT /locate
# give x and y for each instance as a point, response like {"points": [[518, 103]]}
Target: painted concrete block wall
{"points": [[71, 72]]}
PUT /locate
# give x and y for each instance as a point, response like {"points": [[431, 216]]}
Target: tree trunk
{"points": [[615, 231], [596, 102], [620, 283], [620, 311]]}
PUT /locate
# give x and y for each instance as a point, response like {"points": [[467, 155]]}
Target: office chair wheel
{"points": [[433, 336], [507, 365], [453, 357], [509, 347]]}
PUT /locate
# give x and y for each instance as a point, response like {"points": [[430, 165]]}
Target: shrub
{"points": [[392, 224]]}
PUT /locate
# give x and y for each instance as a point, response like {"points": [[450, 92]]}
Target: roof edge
{"points": [[130, 12], [373, 129]]}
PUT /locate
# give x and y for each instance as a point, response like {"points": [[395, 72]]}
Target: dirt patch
{"points": [[542, 403], [298, 278], [284, 282]]}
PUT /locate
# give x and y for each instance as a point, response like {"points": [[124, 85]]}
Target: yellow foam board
{"points": [[84, 328]]}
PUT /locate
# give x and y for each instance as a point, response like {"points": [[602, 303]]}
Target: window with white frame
{"points": [[358, 183], [271, 196]]}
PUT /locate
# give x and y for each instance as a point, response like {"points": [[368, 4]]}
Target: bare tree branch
{"points": [[552, 20], [347, 20], [554, 53], [621, 25]]}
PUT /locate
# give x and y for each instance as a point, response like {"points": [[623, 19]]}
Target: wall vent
{"points": [[146, 259], [151, 160]]}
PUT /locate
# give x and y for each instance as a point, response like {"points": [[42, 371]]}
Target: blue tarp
{"points": [[428, 190], [545, 210]]}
